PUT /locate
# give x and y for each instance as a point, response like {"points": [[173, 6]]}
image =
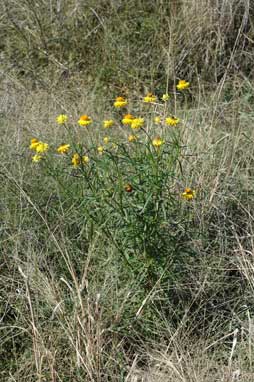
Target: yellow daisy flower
{"points": [[106, 140], [33, 143], [188, 194], [149, 98], [165, 97], [36, 158], [77, 160], [120, 102], [41, 147], [182, 84], [100, 149], [127, 119], [157, 142], [137, 123], [157, 120], [84, 120], [108, 123], [172, 121], [61, 119], [85, 159], [63, 149], [132, 138]]}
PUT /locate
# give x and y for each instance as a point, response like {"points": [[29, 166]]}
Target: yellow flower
{"points": [[137, 123], [165, 97], [182, 84], [188, 194], [127, 119], [100, 149], [63, 149], [77, 160], [61, 119], [36, 158], [108, 123], [41, 147], [120, 102], [172, 121], [34, 140], [157, 120], [132, 138], [84, 120], [106, 140], [33, 143], [150, 97], [85, 159], [157, 142]]}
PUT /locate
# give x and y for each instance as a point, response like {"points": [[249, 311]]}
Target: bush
{"points": [[127, 189]]}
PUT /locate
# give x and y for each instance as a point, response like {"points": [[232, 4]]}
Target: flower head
{"points": [[85, 159], [100, 150], [78, 159], [127, 119], [33, 143], [61, 119], [132, 138], [84, 120], [120, 102], [63, 149], [172, 121], [157, 120], [137, 123], [108, 123], [188, 194], [75, 160], [36, 158], [106, 140], [149, 98], [128, 187], [41, 147], [165, 97], [157, 142], [182, 84]]}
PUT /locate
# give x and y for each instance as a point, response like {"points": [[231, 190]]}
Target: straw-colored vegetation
{"points": [[127, 191]]}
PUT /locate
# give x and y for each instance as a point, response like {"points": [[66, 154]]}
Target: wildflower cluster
{"points": [[129, 175]]}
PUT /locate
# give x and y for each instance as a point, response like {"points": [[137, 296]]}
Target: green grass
{"points": [[71, 306]]}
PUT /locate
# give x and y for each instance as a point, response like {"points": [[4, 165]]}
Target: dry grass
{"points": [[64, 308], [140, 44], [60, 325]]}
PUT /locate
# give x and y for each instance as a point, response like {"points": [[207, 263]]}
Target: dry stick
{"points": [[36, 335], [221, 339], [250, 336], [232, 349]]}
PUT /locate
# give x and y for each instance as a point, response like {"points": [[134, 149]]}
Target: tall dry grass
{"points": [[133, 45], [64, 305]]}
